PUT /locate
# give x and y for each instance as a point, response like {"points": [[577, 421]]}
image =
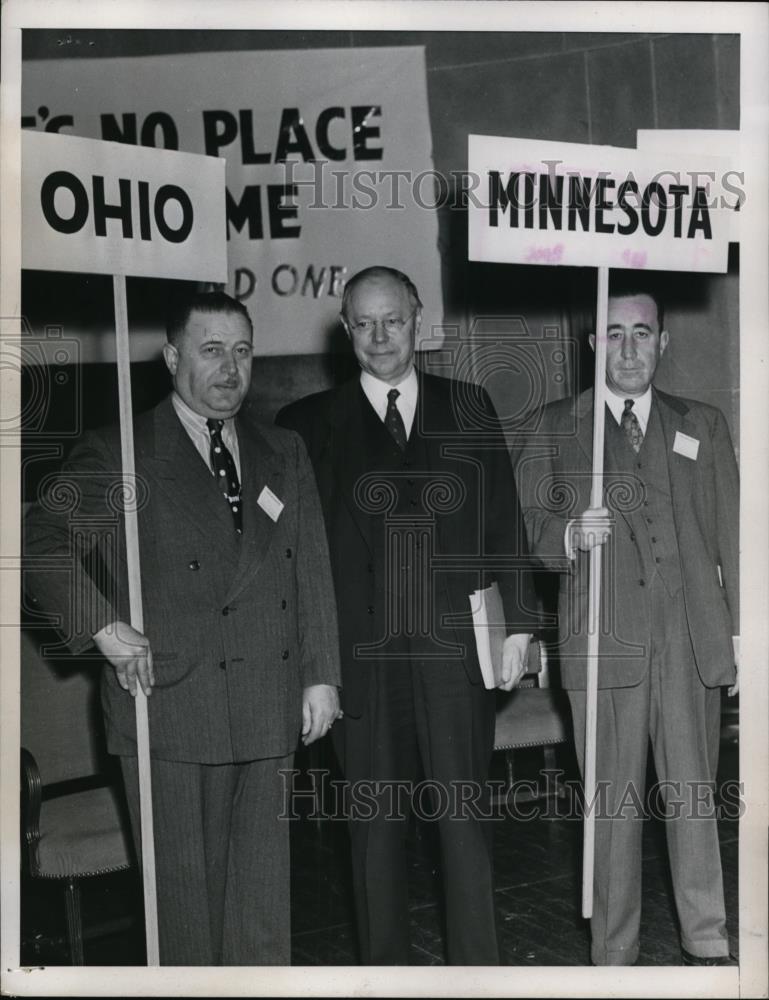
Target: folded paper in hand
{"points": [[490, 632]]}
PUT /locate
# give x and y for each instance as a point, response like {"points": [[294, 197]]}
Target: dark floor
{"points": [[538, 875]]}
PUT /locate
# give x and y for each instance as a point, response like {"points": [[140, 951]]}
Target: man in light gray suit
{"points": [[669, 626], [239, 650]]}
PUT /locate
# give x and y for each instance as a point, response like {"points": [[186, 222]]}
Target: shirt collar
{"points": [[191, 418], [641, 406], [376, 390]]}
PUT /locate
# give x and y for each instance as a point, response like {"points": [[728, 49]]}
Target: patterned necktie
{"points": [[631, 427], [226, 474], [394, 420]]}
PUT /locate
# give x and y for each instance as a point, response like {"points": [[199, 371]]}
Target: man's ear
{"points": [[171, 357], [417, 320], [345, 324], [664, 338], [591, 341]]}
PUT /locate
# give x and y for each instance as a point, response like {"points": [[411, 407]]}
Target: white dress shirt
{"points": [[641, 407], [197, 430], [376, 392]]}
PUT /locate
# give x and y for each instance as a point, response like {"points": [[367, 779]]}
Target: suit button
{"points": [[370, 567], [284, 654], [657, 559], [632, 538], [223, 665], [642, 583], [284, 604], [288, 553], [654, 539], [370, 609], [225, 611], [194, 564]]}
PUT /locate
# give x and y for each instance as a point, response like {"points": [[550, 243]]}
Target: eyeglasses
{"points": [[392, 326]]}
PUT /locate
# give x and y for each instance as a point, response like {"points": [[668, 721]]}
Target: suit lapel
{"points": [[435, 422], [175, 466], [672, 412], [585, 438], [350, 458], [673, 418], [585, 424], [261, 468]]}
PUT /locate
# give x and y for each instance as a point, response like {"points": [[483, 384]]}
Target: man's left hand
{"points": [[320, 709], [515, 655]]}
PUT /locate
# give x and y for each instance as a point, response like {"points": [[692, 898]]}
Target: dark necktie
{"points": [[631, 427], [226, 474], [394, 420]]}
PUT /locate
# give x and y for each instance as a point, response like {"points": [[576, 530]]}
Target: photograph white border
{"points": [[751, 22]]}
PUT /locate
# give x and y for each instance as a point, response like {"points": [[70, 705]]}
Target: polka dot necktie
{"points": [[226, 474], [631, 427], [394, 420]]}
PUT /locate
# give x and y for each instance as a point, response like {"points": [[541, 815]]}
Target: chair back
{"points": [[60, 717]]}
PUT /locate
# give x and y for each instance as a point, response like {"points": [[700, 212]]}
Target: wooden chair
{"points": [[531, 715], [73, 820]]}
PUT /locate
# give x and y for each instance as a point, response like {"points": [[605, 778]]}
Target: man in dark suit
{"points": [[239, 649], [669, 623], [420, 508]]}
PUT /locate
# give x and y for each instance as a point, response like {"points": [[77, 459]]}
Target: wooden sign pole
{"points": [[130, 493], [594, 605]]}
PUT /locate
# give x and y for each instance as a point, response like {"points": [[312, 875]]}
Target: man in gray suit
{"points": [[669, 624], [239, 649]]}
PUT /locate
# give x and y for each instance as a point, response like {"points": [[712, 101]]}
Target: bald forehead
{"points": [[377, 289]]}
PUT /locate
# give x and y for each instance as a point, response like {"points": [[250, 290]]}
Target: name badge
{"points": [[270, 503], [686, 446]]}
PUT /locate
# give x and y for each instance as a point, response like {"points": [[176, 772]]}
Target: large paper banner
{"points": [[329, 164], [596, 206], [101, 208]]}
